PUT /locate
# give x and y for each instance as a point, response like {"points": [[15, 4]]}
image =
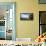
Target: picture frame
{"points": [[26, 16], [42, 1]]}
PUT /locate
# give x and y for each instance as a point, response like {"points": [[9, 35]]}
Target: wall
{"points": [[28, 29]]}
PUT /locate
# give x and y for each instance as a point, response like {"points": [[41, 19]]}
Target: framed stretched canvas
{"points": [[26, 16]]}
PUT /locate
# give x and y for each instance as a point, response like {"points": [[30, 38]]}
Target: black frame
{"points": [[29, 14]]}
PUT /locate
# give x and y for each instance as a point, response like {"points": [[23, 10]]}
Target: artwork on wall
{"points": [[42, 1], [26, 16]]}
